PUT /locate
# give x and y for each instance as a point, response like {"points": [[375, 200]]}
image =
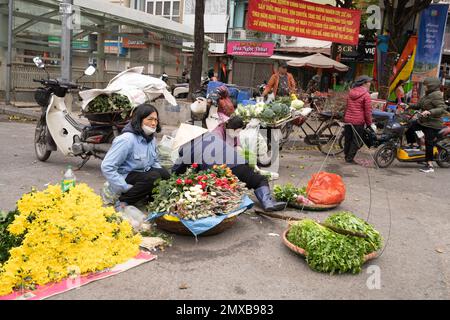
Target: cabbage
{"points": [[297, 104]]}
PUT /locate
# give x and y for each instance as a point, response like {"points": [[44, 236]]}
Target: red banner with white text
{"points": [[305, 19]]}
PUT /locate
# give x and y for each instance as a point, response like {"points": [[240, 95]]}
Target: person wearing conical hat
{"points": [[198, 145]]}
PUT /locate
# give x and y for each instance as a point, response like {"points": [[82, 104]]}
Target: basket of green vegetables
{"points": [[341, 244]]}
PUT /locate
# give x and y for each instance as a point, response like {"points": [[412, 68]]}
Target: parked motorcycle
{"points": [[57, 129]]}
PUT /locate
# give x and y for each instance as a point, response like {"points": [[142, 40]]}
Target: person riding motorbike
{"points": [[432, 107]]}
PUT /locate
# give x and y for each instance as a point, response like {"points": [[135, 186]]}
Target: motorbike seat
{"points": [[180, 85], [329, 115]]}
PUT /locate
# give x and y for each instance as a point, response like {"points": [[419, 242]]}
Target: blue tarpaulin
{"points": [[202, 225]]}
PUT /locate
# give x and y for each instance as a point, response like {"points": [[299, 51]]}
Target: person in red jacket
{"points": [[358, 113]]}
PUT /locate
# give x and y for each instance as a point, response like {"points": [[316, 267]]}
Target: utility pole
{"points": [[65, 8], [9, 54]]}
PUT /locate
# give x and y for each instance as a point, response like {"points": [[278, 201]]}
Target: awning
{"points": [[323, 50], [317, 61]]}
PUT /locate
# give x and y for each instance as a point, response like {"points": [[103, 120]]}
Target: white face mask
{"points": [[233, 133], [148, 130]]}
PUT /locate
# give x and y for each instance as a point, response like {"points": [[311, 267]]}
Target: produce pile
{"points": [[292, 195], [53, 235], [270, 113], [330, 246], [113, 103], [195, 195], [323, 188]]}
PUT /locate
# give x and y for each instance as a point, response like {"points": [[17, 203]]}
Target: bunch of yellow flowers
{"points": [[64, 233]]}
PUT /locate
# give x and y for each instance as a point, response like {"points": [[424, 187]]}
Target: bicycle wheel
{"points": [[331, 139]]}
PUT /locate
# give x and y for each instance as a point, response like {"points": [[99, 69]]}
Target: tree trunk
{"points": [[199, 40]]}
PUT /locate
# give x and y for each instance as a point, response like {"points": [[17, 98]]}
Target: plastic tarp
{"points": [[138, 87], [200, 226]]}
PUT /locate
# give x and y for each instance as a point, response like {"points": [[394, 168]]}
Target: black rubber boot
{"points": [[266, 201]]}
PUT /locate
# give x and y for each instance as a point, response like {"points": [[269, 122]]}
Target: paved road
{"points": [[409, 208]]}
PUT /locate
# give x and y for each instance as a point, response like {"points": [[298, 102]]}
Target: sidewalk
{"points": [[29, 113]]}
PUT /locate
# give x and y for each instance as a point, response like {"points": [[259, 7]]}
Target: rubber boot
{"points": [[266, 201]]}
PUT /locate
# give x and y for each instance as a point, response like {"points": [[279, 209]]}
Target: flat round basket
{"points": [[303, 253], [178, 228], [314, 207], [104, 117]]}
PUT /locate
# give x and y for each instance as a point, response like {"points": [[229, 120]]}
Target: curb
{"points": [[13, 111]]}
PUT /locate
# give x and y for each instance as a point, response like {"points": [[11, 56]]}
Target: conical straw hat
{"points": [[186, 133]]}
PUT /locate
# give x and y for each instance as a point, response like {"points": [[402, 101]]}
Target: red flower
{"points": [[195, 165], [179, 181], [188, 181], [213, 175]]}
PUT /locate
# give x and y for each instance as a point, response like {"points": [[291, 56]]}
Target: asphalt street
{"points": [[249, 261]]}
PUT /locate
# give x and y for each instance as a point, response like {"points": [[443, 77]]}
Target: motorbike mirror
{"points": [[89, 70], [39, 63]]}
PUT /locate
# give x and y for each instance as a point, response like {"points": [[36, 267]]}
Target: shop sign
{"points": [[250, 48]]}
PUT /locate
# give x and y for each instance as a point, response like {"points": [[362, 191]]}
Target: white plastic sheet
{"points": [[138, 87]]}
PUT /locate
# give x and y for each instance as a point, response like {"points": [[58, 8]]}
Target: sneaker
{"points": [[351, 161], [427, 169]]}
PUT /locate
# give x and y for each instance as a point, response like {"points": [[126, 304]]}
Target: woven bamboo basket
{"points": [[303, 253], [314, 207], [178, 228]]}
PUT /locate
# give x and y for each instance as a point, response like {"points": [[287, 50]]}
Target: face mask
{"points": [[233, 133], [148, 130]]}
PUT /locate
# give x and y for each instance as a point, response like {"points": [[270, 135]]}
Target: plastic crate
{"points": [[243, 95], [248, 102]]}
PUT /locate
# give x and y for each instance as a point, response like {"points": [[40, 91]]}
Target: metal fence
{"points": [[24, 73]]}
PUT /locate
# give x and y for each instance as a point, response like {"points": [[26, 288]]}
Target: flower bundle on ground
{"points": [[61, 235], [195, 195], [333, 252]]}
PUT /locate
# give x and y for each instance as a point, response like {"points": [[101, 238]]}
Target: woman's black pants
{"points": [[143, 184], [352, 140], [247, 175], [430, 136]]}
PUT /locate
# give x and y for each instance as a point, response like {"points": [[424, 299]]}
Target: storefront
{"points": [[359, 58], [250, 62]]}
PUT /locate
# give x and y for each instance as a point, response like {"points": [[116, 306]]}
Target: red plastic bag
{"points": [[326, 188]]}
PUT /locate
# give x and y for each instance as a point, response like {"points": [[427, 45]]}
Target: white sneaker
{"points": [[427, 169]]}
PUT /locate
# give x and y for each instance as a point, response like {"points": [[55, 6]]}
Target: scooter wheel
{"points": [[443, 158], [384, 156], [40, 141]]}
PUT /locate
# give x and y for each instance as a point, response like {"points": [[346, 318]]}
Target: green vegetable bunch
{"points": [[288, 192], [113, 103], [332, 252]]}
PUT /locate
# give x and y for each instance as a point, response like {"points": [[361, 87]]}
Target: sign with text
{"points": [[131, 43], [431, 40], [249, 48], [305, 19]]}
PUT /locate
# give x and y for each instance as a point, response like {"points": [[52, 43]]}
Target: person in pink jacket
{"points": [[358, 114]]}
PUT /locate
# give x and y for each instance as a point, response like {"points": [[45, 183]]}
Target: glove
{"points": [[373, 127]]}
